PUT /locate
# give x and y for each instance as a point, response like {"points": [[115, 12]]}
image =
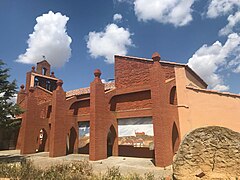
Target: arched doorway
{"points": [[71, 139], [110, 140], [175, 138], [42, 138]]}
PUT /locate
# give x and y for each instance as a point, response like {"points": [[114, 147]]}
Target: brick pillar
{"points": [[161, 124], [28, 126], [20, 97], [58, 134], [98, 123], [29, 79]]}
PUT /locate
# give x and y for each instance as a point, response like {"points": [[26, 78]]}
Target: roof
{"points": [[43, 61], [167, 63], [86, 90]]}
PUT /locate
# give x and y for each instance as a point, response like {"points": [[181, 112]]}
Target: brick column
{"points": [[20, 97], [28, 126], [58, 134], [98, 122], [161, 124]]}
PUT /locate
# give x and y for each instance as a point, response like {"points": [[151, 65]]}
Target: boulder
{"points": [[208, 153]]}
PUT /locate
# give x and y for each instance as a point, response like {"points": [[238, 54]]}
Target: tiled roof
{"points": [[86, 90]]}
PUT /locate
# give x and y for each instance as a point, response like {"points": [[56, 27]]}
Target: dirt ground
{"points": [[126, 164]]}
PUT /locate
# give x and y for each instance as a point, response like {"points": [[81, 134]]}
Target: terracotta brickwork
{"points": [[131, 101], [130, 72], [80, 107], [169, 93]]}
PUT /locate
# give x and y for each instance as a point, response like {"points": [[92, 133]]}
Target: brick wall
{"points": [[42, 96], [138, 100], [80, 107], [130, 72]]}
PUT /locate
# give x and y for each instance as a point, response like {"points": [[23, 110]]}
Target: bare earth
{"points": [[126, 164]]}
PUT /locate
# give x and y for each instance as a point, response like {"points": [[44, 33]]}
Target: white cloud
{"points": [[12, 99], [222, 7], [113, 40], [209, 61], [237, 69], [49, 39], [176, 12], [233, 20], [117, 17], [103, 81]]}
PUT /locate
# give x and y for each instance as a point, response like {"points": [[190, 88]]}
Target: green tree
{"points": [[8, 108]]}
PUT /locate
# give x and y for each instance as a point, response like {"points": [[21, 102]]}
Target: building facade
{"points": [[145, 112]]}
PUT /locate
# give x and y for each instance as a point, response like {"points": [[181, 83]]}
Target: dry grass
{"points": [[81, 170]]}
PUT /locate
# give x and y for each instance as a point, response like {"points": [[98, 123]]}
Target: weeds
{"points": [[80, 170]]}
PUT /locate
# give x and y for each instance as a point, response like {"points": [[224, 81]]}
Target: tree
{"points": [[8, 109]]}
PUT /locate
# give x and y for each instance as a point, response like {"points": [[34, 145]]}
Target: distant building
{"points": [[139, 133], [171, 94]]}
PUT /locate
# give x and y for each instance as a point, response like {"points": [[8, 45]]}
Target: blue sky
{"points": [[79, 36]]}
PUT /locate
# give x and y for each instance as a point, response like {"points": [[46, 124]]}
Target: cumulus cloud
{"points": [[237, 70], [113, 40], [50, 39], [233, 21], [117, 17], [12, 99], [176, 12], [208, 61], [222, 7]]}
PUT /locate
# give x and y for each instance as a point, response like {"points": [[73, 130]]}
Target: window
{"points": [[173, 96]]}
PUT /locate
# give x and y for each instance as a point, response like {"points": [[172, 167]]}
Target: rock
{"points": [[208, 153]]}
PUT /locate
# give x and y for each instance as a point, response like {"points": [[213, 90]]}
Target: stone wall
{"points": [[209, 152]]}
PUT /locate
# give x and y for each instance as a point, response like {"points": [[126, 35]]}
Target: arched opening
{"points": [[36, 82], [48, 85], [175, 138], [110, 140], [44, 71], [71, 139], [42, 138], [173, 96], [84, 137]]}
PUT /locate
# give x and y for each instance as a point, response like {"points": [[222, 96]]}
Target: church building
{"points": [[145, 112]]}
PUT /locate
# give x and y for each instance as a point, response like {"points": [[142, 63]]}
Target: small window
{"points": [[173, 96], [49, 111]]}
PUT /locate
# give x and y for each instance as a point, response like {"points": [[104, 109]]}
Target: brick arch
{"points": [[111, 141], [71, 140], [134, 100], [80, 107], [42, 140]]}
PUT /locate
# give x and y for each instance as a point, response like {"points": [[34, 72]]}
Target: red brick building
{"points": [[144, 90]]}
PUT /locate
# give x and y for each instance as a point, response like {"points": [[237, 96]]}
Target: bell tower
{"points": [[43, 68]]}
